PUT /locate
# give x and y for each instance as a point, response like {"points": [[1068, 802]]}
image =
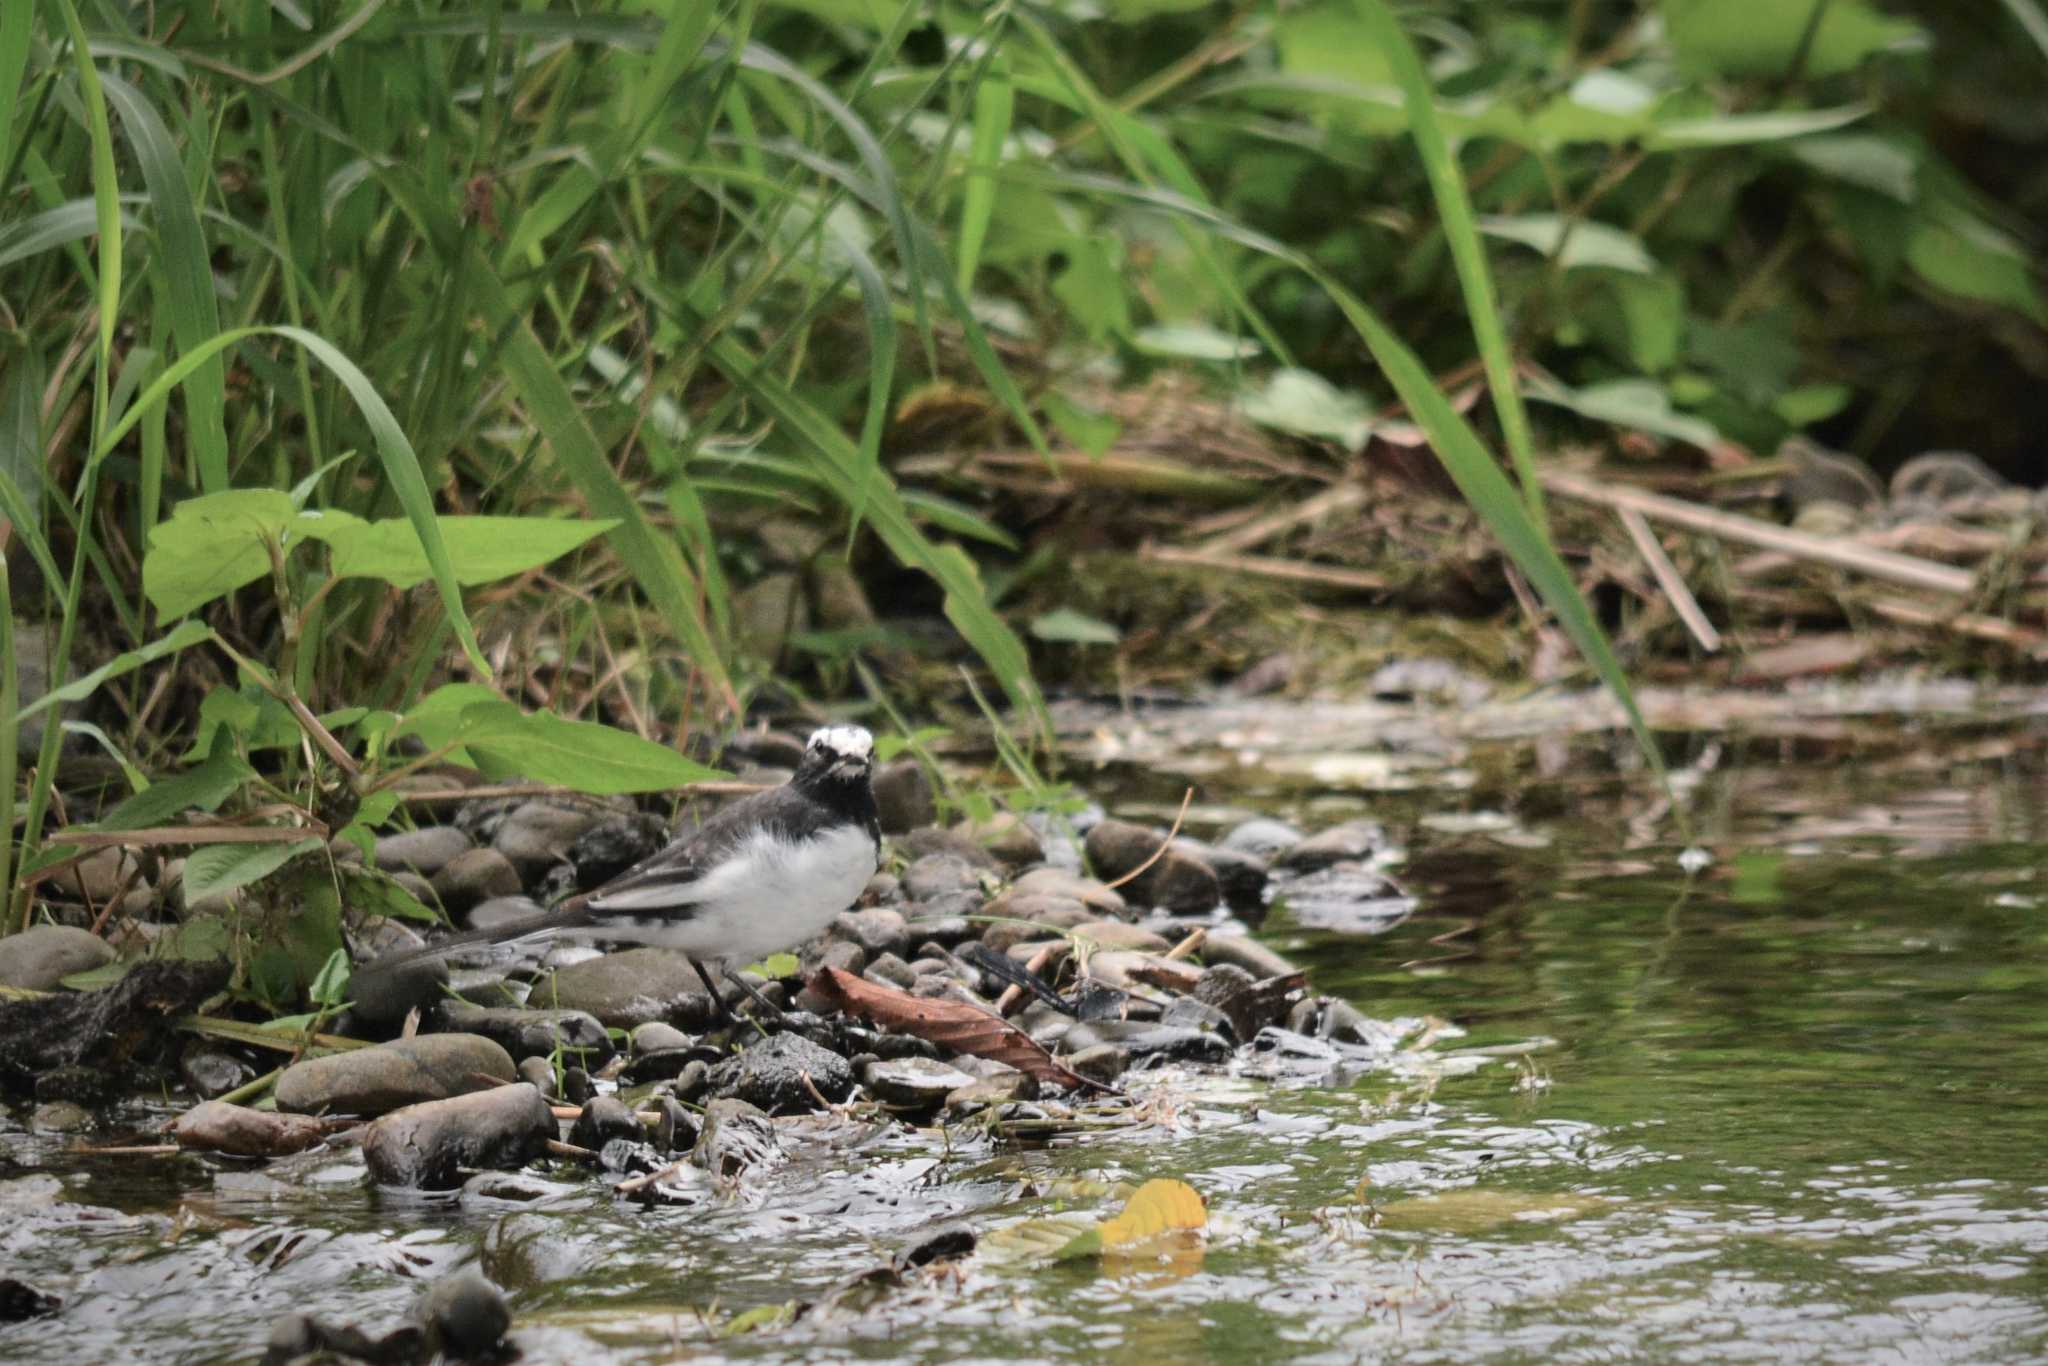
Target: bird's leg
{"points": [[720, 1010], [726, 1014]]}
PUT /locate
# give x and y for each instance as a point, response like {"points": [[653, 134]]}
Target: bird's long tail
{"points": [[567, 916]]}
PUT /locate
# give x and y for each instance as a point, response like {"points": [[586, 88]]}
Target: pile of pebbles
{"points": [[474, 1065]]}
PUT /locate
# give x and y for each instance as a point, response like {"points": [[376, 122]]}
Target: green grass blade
{"points": [[106, 187], [654, 560], [187, 271], [1468, 253], [1466, 459], [17, 30], [995, 103], [10, 702]]}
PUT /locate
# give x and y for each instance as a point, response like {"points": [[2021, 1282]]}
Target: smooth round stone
{"points": [[370, 1081], [1260, 838], [42, 956], [425, 851], [903, 797], [435, 1145], [465, 1314], [936, 874], [475, 876], [916, 1083]]}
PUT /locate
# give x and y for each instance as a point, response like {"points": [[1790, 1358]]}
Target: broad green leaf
{"points": [[1811, 403], [1584, 243], [1737, 130], [1765, 38], [1069, 626], [215, 869], [252, 716], [329, 988], [1967, 257], [995, 101], [1305, 404], [212, 545], [204, 787], [1875, 163], [480, 549], [184, 634], [583, 755], [1642, 404]]}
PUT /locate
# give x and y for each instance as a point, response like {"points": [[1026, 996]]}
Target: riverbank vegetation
{"points": [[648, 364]]}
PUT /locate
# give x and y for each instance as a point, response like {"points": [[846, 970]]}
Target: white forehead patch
{"points": [[850, 742]]}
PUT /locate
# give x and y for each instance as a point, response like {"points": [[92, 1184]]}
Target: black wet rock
{"points": [[106, 1028], [381, 998], [1351, 840], [613, 845], [42, 956], [19, 1300], [627, 989], [736, 1136], [475, 876], [917, 1084], [81, 1084], [784, 1074], [464, 1315], [433, 1145], [577, 1087], [903, 797], [425, 851], [1326, 1017], [605, 1118], [370, 1081], [1250, 1002], [528, 1033]]}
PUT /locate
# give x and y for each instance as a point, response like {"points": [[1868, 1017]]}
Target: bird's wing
{"points": [[673, 877]]}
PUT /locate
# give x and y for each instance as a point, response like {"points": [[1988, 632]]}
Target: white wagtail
{"points": [[763, 874]]}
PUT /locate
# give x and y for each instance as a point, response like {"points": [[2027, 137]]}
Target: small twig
{"points": [[1264, 566], [1668, 578], [128, 1150], [1164, 845], [1006, 1004], [557, 1148], [1907, 570], [1191, 945]]}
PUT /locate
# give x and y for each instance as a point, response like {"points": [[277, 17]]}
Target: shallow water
{"points": [[1796, 1108]]}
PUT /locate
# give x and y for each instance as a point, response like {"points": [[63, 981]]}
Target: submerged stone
{"points": [[434, 1145]]}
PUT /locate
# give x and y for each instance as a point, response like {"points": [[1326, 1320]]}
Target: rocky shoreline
{"points": [[1020, 976]]}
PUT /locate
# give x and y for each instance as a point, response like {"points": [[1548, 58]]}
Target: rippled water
{"points": [[1794, 1110]]}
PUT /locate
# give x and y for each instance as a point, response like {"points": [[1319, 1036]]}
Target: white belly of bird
{"points": [[766, 896]]}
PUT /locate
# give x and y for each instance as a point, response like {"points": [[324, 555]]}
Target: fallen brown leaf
{"points": [[949, 1024]]}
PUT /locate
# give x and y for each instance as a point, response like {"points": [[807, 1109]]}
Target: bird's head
{"points": [[839, 754]]}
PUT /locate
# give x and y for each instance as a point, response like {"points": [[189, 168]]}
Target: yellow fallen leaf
{"points": [[1159, 1206]]}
